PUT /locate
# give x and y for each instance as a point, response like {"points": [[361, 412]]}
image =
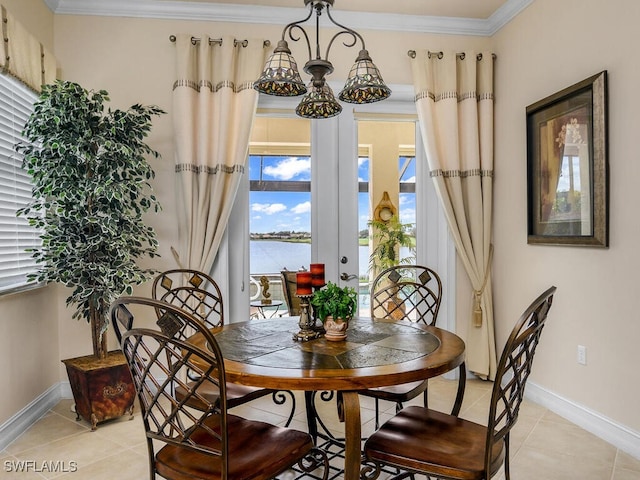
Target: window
{"points": [[407, 175], [280, 217], [16, 235]]}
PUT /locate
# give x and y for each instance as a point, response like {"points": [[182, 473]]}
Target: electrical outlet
{"points": [[582, 355]]}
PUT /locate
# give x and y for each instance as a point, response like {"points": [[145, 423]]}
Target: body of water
{"points": [[271, 256]]}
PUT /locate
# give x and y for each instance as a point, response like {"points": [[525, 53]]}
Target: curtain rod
{"points": [[218, 41], [412, 54]]}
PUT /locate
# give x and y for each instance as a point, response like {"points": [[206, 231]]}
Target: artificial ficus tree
{"points": [[90, 190]]}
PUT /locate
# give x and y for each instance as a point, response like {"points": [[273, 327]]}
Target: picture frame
{"points": [[567, 166]]}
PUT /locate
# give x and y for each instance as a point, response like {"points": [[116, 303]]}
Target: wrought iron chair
{"points": [[193, 291], [419, 440], [205, 443], [413, 293], [289, 291], [122, 320], [407, 292], [198, 294]]}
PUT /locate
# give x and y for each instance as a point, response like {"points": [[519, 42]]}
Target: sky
{"points": [[291, 211]]}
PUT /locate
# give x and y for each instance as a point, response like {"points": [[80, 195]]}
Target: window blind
{"points": [[16, 235]]}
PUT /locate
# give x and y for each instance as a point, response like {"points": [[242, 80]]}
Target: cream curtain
{"points": [[454, 100], [22, 56], [214, 105]]}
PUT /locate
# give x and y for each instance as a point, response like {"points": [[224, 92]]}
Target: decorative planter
{"points": [[335, 329], [396, 308], [102, 389]]}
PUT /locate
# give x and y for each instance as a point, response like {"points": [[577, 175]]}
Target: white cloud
{"points": [[408, 215], [289, 168], [405, 198], [304, 207], [362, 161], [268, 208], [410, 180]]}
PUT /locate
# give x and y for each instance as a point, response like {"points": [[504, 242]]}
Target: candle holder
{"points": [[307, 331]]}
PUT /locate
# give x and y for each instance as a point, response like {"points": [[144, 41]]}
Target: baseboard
{"points": [[618, 435], [21, 421]]}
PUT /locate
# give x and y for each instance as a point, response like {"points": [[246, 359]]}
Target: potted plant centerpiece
{"points": [[335, 306], [90, 189]]}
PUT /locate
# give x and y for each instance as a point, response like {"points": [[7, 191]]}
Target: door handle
{"points": [[346, 277]]}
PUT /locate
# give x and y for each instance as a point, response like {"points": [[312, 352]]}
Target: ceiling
{"points": [[481, 9], [458, 17]]}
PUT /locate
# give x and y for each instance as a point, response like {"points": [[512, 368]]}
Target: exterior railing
{"points": [[277, 292]]}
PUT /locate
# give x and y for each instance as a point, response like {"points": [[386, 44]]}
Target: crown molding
{"points": [[505, 14], [52, 4], [227, 12]]}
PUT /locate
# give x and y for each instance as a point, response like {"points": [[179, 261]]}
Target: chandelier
{"points": [[282, 78]]}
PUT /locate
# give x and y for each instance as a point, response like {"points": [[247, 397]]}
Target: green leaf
{"points": [[335, 301], [84, 160]]}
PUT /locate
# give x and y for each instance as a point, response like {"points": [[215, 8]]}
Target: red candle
{"points": [[303, 283], [317, 274]]}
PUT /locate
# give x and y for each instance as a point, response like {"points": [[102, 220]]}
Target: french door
{"points": [[334, 198], [335, 216]]}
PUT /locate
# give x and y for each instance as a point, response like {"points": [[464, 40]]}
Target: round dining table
{"points": [[376, 353]]}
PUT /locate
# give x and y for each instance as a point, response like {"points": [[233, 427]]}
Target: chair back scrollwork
{"points": [[407, 292], [193, 291]]}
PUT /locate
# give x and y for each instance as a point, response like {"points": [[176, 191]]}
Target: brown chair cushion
{"points": [[236, 395], [397, 393], [431, 441], [257, 451]]}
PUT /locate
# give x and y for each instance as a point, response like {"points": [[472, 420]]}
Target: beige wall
{"points": [[29, 355], [29, 344], [133, 59], [549, 46], [545, 48]]}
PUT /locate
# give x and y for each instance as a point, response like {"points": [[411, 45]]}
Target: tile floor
{"points": [[544, 445]]}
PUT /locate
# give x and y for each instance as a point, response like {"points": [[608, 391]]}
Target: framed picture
{"points": [[567, 166]]}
